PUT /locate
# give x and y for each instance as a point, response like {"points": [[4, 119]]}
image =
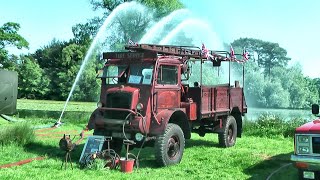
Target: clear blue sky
{"points": [[294, 24]]}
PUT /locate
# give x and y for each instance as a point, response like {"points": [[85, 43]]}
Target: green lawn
{"points": [[45, 105], [251, 158]]}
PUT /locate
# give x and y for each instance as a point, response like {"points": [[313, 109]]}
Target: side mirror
{"points": [[315, 109]]}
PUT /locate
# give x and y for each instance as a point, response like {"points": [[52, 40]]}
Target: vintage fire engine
{"points": [[307, 148], [143, 99]]}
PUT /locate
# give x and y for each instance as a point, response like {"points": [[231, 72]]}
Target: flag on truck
{"points": [[130, 42], [245, 54], [206, 52], [232, 55]]}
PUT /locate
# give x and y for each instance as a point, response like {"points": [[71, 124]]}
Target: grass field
{"points": [[252, 158]]}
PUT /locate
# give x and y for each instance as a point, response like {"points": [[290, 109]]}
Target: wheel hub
{"points": [[230, 135], [173, 147]]}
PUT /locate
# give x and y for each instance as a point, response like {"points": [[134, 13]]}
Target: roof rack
{"points": [[189, 51]]}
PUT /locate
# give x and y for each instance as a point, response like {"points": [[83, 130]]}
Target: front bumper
{"points": [[311, 162]]}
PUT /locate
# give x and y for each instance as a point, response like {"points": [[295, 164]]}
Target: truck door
{"points": [[167, 89]]}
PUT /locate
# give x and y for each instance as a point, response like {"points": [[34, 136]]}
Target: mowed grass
{"points": [[46, 105], [251, 158]]}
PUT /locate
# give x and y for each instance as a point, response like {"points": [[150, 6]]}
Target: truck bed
{"points": [[215, 100]]}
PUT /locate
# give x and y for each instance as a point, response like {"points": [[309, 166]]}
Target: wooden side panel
{"points": [[236, 99], [222, 98], [205, 100], [213, 98]]}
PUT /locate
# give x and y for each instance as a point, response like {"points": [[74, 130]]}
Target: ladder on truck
{"points": [[184, 51]]}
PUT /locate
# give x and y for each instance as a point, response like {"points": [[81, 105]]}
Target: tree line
{"points": [[49, 72]]}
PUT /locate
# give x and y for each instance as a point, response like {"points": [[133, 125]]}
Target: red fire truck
{"points": [[143, 99], [307, 148]]}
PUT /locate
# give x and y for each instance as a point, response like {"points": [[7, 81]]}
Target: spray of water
{"points": [[195, 28], [155, 30], [107, 22]]}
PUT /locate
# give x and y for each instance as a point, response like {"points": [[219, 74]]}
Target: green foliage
{"points": [[275, 95], [252, 157], [270, 125], [19, 134], [33, 82], [270, 54], [97, 164], [254, 86], [83, 33], [9, 37], [280, 86], [163, 7], [132, 24]]}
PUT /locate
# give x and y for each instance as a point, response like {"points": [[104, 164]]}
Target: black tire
{"points": [[228, 135], [169, 147]]}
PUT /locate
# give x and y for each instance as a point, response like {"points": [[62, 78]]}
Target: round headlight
{"points": [[139, 137], [139, 106], [99, 104]]}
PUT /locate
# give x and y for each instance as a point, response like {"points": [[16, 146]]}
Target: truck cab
{"points": [[143, 99], [307, 148]]}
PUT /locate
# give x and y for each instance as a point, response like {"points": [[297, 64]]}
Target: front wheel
{"points": [[170, 145], [228, 135]]}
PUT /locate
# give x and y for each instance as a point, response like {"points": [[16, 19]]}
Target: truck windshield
{"points": [[131, 74]]}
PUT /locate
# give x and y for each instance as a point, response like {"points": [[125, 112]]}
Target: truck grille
{"points": [[118, 100], [316, 145]]}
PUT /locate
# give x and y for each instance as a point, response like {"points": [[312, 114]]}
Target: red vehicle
{"points": [[307, 148], [143, 99]]}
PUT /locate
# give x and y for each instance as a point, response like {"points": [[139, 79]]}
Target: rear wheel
{"points": [[228, 135], [169, 147]]}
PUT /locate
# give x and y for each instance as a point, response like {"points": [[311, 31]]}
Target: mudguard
{"points": [[177, 116]]}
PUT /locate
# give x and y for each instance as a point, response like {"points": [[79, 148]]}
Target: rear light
{"points": [[301, 165]]}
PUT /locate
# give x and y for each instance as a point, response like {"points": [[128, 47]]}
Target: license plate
{"points": [[308, 174]]}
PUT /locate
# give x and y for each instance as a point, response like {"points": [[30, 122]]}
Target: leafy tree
{"points": [[50, 60], [162, 7], [33, 82], [86, 88], [255, 85], [132, 24], [317, 84], [313, 95], [84, 33], [269, 54], [276, 96], [9, 37]]}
